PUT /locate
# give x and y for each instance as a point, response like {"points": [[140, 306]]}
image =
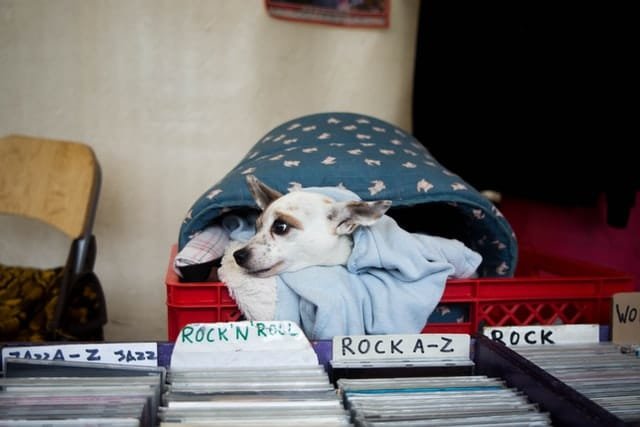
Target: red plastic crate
{"points": [[546, 290]]}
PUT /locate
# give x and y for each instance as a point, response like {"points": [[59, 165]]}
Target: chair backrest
{"points": [[56, 182]]}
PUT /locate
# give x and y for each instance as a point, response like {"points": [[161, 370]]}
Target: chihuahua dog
{"points": [[302, 229]]}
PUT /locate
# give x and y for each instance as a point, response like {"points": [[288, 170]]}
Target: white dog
{"points": [[302, 229]]}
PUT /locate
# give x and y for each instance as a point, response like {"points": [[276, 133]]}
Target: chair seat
{"points": [[28, 300]]}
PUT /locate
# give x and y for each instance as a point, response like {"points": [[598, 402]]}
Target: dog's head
{"points": [[302, 229]]}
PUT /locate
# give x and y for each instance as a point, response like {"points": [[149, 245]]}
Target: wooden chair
{"points": [[57, 183]]}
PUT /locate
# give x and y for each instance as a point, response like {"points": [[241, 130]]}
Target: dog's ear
{"points": [[349, 215], [262, 193]]}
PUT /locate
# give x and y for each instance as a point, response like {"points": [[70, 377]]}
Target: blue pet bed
{"points": [[377, 161]]}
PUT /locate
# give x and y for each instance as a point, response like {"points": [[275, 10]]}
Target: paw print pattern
{"points": [[423, 186], [478, 213], [502, 269], [376, 187], [294, 186], [329, 160], [213, 193], [498, 244]]}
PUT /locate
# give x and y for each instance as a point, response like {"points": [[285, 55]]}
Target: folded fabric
{"points": [[197, 257], [205, 247], [240, 228], [391, 284]]}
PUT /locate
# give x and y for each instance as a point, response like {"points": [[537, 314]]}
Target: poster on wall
{"points": [[347, 13]]}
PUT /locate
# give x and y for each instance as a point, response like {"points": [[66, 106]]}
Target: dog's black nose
{"points": [[242, 256]]}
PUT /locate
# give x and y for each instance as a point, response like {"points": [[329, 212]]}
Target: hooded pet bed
{"points": [[377, 161]]}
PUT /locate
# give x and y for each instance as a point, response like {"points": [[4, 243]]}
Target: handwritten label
{"points": [[626, 318], [513, 336], [139, 354], [237, 332], [400, 347], [242, 344]]}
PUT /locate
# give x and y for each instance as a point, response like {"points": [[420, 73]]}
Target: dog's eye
{"points": [[279, 227]]}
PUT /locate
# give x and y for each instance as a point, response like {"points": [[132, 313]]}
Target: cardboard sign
{"points": [[242, 344], [513, 336], [625, 324]]}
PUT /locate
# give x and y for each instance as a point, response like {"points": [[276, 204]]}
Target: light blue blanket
{"points": [[392, 282]]}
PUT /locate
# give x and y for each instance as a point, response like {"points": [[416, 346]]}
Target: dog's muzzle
{"points": [[242, 256]]}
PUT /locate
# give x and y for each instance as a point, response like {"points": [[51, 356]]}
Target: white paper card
{"points": [[127, 353], [414, 347], [513, 336], [242, 344]]}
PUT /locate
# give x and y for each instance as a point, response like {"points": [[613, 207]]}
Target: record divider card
{"points": [[360, 356], [242, 344], [626, 319]]}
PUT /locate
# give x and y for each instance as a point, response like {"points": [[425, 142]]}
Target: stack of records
{"points": [[438, 401], [54, 393], [600, 372], [295, 396]]}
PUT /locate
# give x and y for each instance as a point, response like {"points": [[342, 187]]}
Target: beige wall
{"points": [[171, 94]]}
